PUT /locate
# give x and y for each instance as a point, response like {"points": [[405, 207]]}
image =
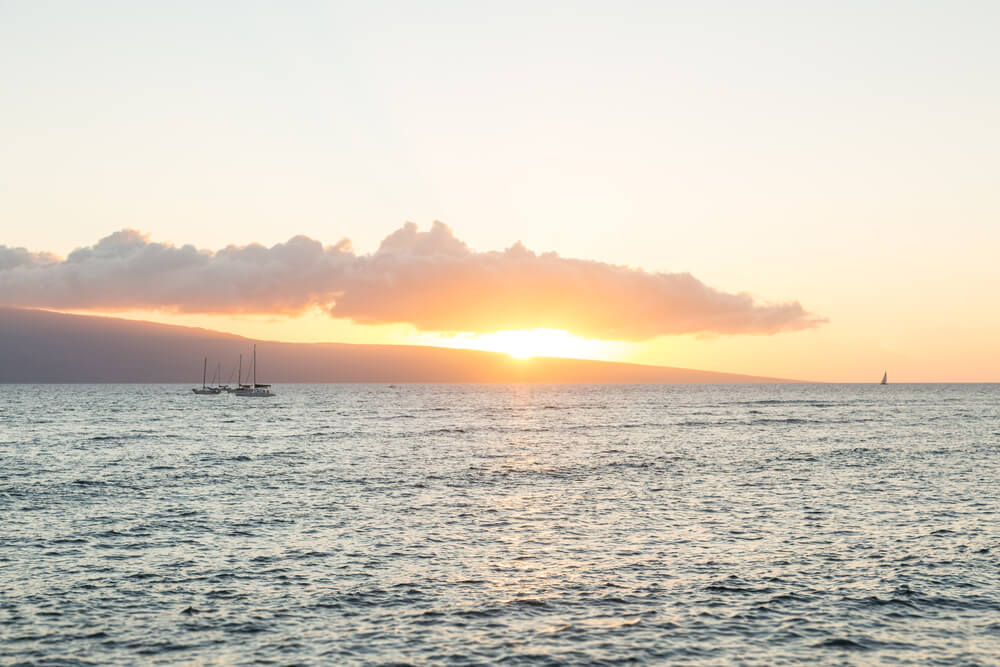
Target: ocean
{"points": [[513, 524]]}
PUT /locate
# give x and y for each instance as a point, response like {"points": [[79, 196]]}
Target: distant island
{"points": [[45, 347]]}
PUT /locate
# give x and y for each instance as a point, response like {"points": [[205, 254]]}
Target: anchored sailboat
{"points": [[885, 377], [218, 382], [254, 389], [205, 389], [239, 378]]}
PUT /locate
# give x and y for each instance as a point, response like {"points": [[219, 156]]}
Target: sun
{"points": [[522, 344], [528, 343]]}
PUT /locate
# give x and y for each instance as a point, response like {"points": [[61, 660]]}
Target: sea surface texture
{"points": [[456, 524]]}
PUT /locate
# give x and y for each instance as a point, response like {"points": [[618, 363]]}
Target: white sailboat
{"points": [[228, 388], [205, 389], [218, 383], [885, 378], [217, 379], [254, 389], [239, 378]]}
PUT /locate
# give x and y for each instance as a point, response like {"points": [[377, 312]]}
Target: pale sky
{"points": [[842, 155]]}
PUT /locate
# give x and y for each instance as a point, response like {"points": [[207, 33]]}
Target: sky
{"points": [[790, 189]]}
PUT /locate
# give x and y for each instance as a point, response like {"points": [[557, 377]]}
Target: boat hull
{"points": [[254, 393]]}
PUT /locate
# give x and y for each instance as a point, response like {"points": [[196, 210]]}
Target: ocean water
{"points": [[465, 524]]}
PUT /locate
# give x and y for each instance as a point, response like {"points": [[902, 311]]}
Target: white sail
{"points": [[885, 377]]}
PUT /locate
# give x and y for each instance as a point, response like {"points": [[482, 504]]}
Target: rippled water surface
{"points": [[525, 524]]}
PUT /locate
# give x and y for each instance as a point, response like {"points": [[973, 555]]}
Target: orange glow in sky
{"points": [[834, 353], [608, 148], [524, 344]]}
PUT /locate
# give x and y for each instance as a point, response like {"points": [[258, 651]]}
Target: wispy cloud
{"points": [[430, 279]]}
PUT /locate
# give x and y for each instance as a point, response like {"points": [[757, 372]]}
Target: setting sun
{"points": [[565, 332], [527, 343]]}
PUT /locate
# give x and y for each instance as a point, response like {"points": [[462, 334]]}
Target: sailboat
{"points": [[205, 389], [218, 383], [239, 379], [217, 379], [254, 389], [885, 377]]}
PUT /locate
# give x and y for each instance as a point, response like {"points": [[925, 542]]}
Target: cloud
{"points": [[430, 279]]}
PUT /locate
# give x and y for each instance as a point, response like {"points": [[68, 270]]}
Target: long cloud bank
{"points": [[429, 279]]}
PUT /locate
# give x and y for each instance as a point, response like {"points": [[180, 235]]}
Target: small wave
{"points": [[248, 628], [876, 601], [487, 612], [528, 602], [810, 402], [443, 431], [843, 643], [863, 643], [608, 623], [698, 422], [725, 588], [785, 420], [856, 452]]}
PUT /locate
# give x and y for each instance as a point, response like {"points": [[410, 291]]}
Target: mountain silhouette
{"points": [[44, 346]]}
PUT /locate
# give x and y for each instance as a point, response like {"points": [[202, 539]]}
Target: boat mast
{"points": [[239, 375], [255, 365], [204, 370]]}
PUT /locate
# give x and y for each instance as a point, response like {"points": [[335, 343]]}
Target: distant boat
{"points": [[254, 389], [217, 379], [885, 378], [239, 379], [205, 389]]}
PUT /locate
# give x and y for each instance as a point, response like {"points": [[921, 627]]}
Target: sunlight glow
{"points": [[316, 326], [527, 343]]}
